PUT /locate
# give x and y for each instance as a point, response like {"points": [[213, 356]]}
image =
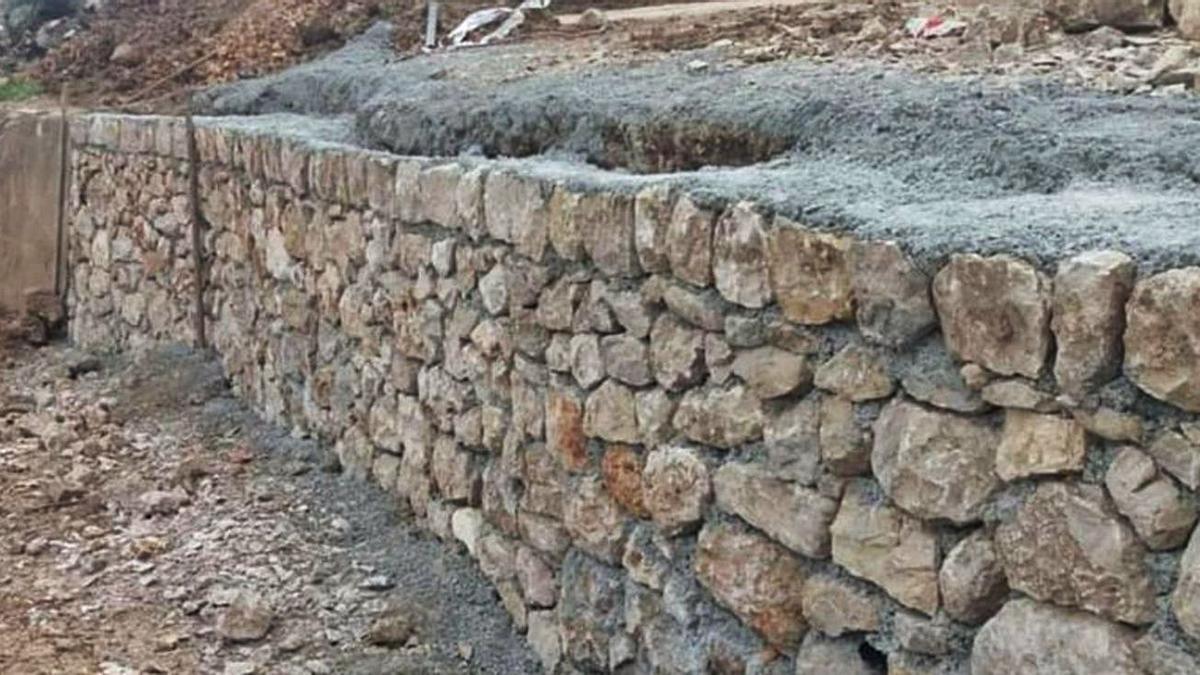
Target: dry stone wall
{"points": [[682, 437]]}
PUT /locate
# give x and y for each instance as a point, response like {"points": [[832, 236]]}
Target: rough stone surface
{"points": [[611, 414], [676, 354], [771, 372], [810, 274], [1067, 546], [757, 579], [845, 445], [1162, 337], [1090, 291], [892, 295], [1179, 455], [689, 242], [1159, 512], [1018, 393], [881, 544], [1039, 639], [792, 439], [564, 429], [972, 580], [1037, 445], [622, 471], [795, 516], [836, 606], [590, 608], [594, 520], [856, 373], [995, 312], [1185, 601], [720, 417], [739, 257], [934, 464], [676, 488]]}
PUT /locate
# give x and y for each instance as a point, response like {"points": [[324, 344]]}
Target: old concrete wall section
{"points": [[689, 438], [30, 170]]}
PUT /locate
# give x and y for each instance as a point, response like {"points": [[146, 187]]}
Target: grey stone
{"points": [[995, 312], [739, 257], [720, 417], [587, 364], [676, 488], [771, 372], [824, 656], [611, 414], [627, 359], [676, 354], [1037, 639], [934, 464], [702, 309], [835, 606], [856, 373], [1159, 512], [892, 295], [594, 520], [972, 580]]}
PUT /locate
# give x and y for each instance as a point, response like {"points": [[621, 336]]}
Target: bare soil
{"points": [[143, 506]]}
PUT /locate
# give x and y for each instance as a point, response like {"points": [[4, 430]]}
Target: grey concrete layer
{"points": [[943, 165]]}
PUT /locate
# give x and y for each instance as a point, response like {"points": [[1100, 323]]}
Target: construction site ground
{"points": [[152, 524]]}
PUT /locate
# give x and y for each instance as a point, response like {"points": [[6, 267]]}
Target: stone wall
{"points": [[686, 437]]}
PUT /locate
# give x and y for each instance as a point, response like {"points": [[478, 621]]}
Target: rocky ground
{"points": [[151, 524]]}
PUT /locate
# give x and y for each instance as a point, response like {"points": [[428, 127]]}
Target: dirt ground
{"points": [[151, 524]]}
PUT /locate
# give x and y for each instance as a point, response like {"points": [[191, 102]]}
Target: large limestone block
{"points": [[758, 580], [1090, 291], [1032, 638], [934, 464], [1162, 337], [810, 274], [797, 517], [995, 312], [882, 544], [1068, 546]]}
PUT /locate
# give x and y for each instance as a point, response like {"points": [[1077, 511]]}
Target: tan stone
{"points": [[995, 312], [1186, 14], [611, 414], [771, 372], [810, 274], [1037, 445], [1159, 512], [1090, 291], [1162, 337], [622, 470], [1033, 638], [1156, 656], [934, 464], [1068, 546], [972, 580], [856, 373], [892, 295], [795, 516], [836, 606], [676, 354], [676, 488], [594, 520], [720, 417], [881, 544], [606, 221], [1111, 425], [739, 257], [757, 579], [1018, 393], [1185, 601], [689, 242]]}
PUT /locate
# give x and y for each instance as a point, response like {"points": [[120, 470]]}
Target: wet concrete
{"points": [[942, 164]]}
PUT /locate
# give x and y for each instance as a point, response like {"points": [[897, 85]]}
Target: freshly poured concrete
{"points": [[945, 164]]}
